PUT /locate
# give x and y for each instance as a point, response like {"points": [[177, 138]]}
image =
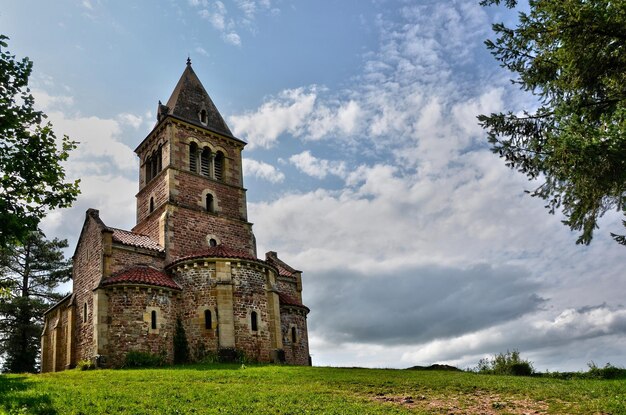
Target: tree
{"points": [[32, 178], [32, 270], [571, 54]]}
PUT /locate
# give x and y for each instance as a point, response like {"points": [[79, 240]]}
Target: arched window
{"points": [[154, 164], [85, 313], [254, 325], [151, 204], [205, 162], [159, 159], [212, 242], [208, 324], [219, 166], [153, 320], [209, 203], [193, 157], [203, 116], [148, 167], [294, 335]]}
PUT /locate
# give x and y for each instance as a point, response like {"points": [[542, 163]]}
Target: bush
{"points": [[509, 363], [607, 372], [143, 359], [85, 365]]}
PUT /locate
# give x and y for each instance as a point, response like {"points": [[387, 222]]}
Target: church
{"points": [[191, 259]]}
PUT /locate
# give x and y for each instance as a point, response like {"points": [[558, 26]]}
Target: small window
{"points": [[254, 325], [193, 157], [210, 205], [153, 320], [151, 204], [203, 116], [208, 324], [85, 313], [212, 242], [294, 335]]}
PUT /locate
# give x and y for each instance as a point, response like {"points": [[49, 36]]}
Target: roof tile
{"points": [[135, 239], [142, 275], [219, 251]]}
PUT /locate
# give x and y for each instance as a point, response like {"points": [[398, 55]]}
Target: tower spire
{"points": [[188, 60]]}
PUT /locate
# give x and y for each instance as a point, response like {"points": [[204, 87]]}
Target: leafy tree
{"points": [[32, 178], [571, 54], [32, 270]]}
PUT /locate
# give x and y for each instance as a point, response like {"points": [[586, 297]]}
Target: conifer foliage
{"points": [[571, 54], [31, 271]]}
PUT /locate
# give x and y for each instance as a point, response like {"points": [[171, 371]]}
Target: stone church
{"points": [[190, 257]]}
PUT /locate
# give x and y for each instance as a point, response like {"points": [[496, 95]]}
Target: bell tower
{"points": [[191, 193]]}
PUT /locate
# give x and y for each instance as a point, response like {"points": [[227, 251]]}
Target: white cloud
{"points": [[440, 199], [232, 38], [130, 119], [315, 167], [201, 51], [262, 170], [282, 114]]}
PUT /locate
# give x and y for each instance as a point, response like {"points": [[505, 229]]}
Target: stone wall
{"points": [[249, 295], [57, 346], [130, 322], [199, 294], [296, 352], [124, 256], [89, 263], [201, 284]]}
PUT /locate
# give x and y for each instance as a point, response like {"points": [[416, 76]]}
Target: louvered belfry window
{"points": [[219, 166], [193, 157], [205, 162]]}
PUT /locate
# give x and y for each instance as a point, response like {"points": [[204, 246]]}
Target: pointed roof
{"points": [[188, 101]]}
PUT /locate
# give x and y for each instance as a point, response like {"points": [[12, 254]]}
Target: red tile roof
{"points": [[142, 275], [286, 299], [219, 251], [135, 239]]}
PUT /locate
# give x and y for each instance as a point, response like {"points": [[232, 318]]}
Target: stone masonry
{"points": [[190, 257]]}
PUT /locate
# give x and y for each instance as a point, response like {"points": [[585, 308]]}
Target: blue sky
{"points": [[365, 166]]}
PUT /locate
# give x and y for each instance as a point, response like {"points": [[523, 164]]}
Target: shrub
{"points": [[85, 365], [607, 372], [509, 363], [143, 359]]}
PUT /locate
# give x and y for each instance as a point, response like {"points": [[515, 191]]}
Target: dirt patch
{"points": [[478, 402]]}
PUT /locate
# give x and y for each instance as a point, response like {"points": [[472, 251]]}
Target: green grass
{"points": [[229, 389]]}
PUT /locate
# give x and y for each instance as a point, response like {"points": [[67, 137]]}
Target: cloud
{"points": [[430, 247], [538, 334], [262, 170], [417, 304], [315, 167], [230, 23], [282, 114], [130, 119], [201, 51], [232, 38]]}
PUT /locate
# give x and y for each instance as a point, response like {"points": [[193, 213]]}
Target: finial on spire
{"points": [[188, 60]]}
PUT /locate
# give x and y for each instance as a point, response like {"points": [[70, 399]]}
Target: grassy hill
{"points": [[231, 389]]}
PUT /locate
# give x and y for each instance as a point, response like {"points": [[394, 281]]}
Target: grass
{"points": [[230, 389]]}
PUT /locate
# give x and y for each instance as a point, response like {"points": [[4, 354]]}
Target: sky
{"points": [[365, 166]]}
